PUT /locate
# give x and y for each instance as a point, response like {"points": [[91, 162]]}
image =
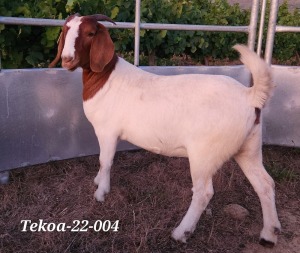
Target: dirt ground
{"points": [[149, 196]]}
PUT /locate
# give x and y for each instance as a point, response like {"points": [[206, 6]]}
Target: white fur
{"points": [[261, 76], [69, 48], [207, 118]]}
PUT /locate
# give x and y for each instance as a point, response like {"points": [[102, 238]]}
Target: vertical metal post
{"points": [[253, 24], [271, 31], [252, 31], [261, 26], [137, 32]]}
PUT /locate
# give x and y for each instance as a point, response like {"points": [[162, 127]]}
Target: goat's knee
{"points": [[97, 178], [103, 176]]}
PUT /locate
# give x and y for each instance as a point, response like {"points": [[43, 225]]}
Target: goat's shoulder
{"points": [[125, 67], [128, 72]]}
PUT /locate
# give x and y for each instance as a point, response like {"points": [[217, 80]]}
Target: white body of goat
{"points": [[206, 118]]}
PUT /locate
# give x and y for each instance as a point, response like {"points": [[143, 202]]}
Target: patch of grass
{"points": [[282, 163], [281, 173]]}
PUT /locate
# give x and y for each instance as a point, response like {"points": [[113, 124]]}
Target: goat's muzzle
{"points": [[69, 63]]}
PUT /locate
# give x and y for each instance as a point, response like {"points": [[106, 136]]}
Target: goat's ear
{"points": [[102, 50], [61, 42]]}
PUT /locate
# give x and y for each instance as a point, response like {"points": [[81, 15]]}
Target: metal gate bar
{"points": [[273, 28], [271, 31], [261, 26]]}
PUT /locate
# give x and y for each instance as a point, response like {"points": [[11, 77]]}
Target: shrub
{"points": [[24, 46]]}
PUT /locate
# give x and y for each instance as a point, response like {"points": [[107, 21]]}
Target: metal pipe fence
{"points": [[273, 28], [137, 26]]}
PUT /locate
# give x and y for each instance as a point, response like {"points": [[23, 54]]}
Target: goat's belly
{"points": [[162, 146], [175, 151]]}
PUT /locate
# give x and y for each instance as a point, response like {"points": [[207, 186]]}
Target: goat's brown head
{"points": [[84, 43]]}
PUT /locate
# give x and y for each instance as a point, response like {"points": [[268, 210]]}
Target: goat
{"points": [[206, 118]]}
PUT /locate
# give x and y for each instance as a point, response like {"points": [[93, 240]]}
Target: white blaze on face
{"points": [[69, 48]]}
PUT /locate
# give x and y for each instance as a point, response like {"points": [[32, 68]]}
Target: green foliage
{"points": [[287, 45], [197, 44], [23, 46]]}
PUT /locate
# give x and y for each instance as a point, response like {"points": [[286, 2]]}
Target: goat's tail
{"points": [[261, 74]]}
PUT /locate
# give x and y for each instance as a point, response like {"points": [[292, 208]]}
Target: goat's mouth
{"points": [[70, 65]]}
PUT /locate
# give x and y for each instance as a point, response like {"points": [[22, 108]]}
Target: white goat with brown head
{"points": [[207, 118]]}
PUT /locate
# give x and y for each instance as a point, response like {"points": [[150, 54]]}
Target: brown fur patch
{"points": [[94, 81], [257, 113]]}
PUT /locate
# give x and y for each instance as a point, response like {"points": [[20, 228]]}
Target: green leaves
{"points": [[114, 12], [163, 33], [33, 57], [52, 33], [198, 45], [287, 45], [28, 46], [70, 5], [2, 27]]}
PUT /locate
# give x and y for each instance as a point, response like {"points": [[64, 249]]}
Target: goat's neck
{"points": [[94, 81]]}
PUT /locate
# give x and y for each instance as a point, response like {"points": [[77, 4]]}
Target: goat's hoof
{"points": [[179, 236], [266, 243], [277, 231], [99, 196], [268, 237]]}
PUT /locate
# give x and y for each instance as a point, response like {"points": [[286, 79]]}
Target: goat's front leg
{"points": [[107, 152]]}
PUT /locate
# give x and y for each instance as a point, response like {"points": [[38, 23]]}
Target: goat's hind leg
{"points": [[202, 193], [250, 161]]}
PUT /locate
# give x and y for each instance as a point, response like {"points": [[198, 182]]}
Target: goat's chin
{"points": [[70, 66], [72, 69]]}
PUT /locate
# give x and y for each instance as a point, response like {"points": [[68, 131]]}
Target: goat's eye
{"points": [[91, 34]]}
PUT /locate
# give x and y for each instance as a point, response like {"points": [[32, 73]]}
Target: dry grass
{"points": [[149, 195]]}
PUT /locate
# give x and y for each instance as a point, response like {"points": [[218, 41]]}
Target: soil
{"points": [[149, 196]]}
